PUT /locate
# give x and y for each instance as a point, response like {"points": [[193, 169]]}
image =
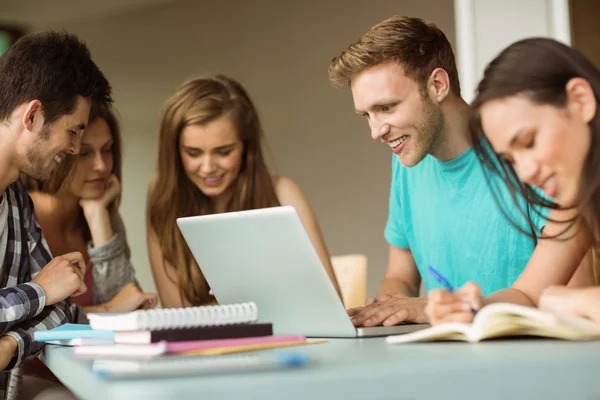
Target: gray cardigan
{"points": [[111, 268]]}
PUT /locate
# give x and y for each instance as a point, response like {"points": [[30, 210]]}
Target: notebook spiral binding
{"points": [[168, 318]]}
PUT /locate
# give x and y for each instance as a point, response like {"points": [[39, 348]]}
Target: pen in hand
{"points": [[438, 277], [447, 285]]}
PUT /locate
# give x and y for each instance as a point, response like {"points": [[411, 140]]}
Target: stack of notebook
{"points": [[207, 330], [177, 341], [183, 324]]}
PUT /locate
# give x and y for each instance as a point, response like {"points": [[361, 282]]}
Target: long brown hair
{"points": [[539, 69], [62, 173], [196, 102]]}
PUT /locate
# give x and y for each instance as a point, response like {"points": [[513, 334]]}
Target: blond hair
{"points": [[417, 46], [197, 102]]}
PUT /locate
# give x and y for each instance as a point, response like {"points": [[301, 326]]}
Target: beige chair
{"points": [[351, 273]]}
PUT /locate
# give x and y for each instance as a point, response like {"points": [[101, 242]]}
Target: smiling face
{"points": [[398, 112], [211, 155], [94, 164], [50, 143], [546, 145]]}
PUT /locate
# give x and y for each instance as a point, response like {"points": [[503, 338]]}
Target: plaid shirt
{"points": [[23, 305]]}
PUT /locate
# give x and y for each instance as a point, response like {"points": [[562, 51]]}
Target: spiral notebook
{"points": [[176, 318]]}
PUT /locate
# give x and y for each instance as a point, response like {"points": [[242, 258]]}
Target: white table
{"points": [[370, 369]]}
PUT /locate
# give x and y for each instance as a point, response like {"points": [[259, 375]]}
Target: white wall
{"points": [[280, 51], [485, 27]]}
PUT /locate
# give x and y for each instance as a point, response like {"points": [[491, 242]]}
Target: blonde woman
{"points": [[211, 161]]}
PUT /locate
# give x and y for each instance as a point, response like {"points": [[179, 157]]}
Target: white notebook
{"points": [[174, 318]]}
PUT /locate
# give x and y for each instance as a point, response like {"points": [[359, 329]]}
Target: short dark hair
{"points": [[54, 68]]}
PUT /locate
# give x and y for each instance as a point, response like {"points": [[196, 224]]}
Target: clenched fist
{"points": [[62, 277]]}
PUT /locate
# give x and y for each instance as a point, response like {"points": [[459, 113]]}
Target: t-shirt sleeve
{"points": [[394, 232]]}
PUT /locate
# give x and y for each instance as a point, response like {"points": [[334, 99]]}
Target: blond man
{"points": [[442, 213]]}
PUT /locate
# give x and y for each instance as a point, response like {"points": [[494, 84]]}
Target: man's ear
{"points": [[581, 99], [32, 117], [438, 84]]}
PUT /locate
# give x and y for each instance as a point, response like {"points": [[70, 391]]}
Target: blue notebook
{"points": [[72, 331]]}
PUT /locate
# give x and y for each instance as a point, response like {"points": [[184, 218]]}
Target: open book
{"points": [[503, 320]]}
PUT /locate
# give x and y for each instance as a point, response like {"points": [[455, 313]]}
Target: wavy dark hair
{"points": [[538, 69]]}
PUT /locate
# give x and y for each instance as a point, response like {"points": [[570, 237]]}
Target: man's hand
{"points": [[389, 310], [8, 349], [130, 298], [62, 277], [370, 300]]}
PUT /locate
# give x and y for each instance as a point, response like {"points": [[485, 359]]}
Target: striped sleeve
{"points": [[19, 303], [49, 317]]}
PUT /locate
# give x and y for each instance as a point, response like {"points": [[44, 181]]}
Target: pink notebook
{"points": [[179, 347], [161, 348]]}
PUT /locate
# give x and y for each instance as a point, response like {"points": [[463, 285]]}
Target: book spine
{"points": [[202, 333]]}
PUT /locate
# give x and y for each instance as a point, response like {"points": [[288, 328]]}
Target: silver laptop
{"points": [[266, 256]]}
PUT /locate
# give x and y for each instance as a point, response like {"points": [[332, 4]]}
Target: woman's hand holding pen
{"points": [[454, 306]]}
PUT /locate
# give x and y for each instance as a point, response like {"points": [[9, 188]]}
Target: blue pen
{"points": [[440, 278]]}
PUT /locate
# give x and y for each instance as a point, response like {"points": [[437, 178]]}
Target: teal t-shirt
{"points": [[445, 213]]}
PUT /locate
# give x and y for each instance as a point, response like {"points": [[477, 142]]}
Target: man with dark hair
{"points": [[48, 83], [442, 213]]}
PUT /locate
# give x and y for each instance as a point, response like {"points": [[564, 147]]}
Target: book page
{"points": [[503, 319], [453, 331]]}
